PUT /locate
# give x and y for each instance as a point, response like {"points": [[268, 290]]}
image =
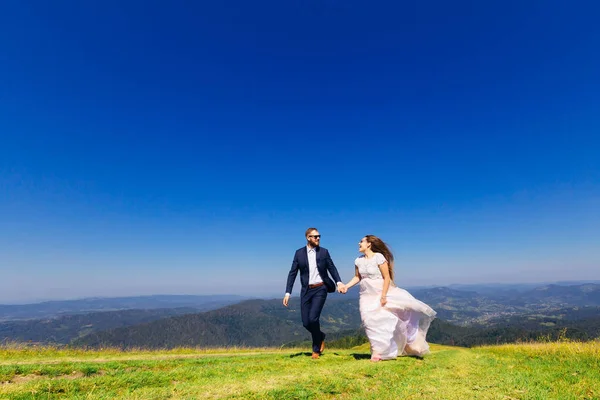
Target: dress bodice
{"points": [[368, 268]]}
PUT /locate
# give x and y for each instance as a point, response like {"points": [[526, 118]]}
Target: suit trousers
{"points": [[311, 305]]}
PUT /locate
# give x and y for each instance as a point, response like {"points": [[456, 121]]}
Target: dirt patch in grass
{"points": [[71, 376], [22, 379]]}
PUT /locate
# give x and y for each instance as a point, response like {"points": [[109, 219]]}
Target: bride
{"points": [[395, 322]]}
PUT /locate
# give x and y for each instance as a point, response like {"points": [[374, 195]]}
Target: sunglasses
{"points": [[315, 236]]}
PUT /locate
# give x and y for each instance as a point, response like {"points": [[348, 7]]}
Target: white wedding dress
{"points": [[398, 328]]}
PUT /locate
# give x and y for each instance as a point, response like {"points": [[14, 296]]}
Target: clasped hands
{"points": [[341, 288]]}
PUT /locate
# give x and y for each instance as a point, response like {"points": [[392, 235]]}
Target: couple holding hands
{"points": [[395, 322]]}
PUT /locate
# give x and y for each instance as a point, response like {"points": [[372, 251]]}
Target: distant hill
{"points": [[582, 324], [489, 288], [566, 324], [62, 330], [577, 295], [492, 288], [262, 323], [51, 309], [65, 328], [253, 323], [470, 307], [495, 318]]}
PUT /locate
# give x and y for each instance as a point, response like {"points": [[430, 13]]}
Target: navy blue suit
{"points": [[313, 300]]}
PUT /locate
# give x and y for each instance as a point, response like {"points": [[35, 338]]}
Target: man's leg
{"points": [[305, 302], [314, 313]]}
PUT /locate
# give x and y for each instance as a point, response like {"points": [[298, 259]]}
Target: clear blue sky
{"points": [[184, 147]]}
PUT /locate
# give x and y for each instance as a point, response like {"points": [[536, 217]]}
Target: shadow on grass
{"points": [[362, 356], [325, 354], [300, 354]]}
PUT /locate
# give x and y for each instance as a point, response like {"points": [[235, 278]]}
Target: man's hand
{"points": [[342, 288], [286, 298]]}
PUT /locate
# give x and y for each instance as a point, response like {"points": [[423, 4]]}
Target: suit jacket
{"points": [[325, 266]]}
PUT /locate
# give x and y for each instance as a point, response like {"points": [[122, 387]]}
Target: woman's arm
{"points": [[355, 279], [385, 272]]}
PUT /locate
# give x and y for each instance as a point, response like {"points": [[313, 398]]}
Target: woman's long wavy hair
{"points": [[378, 246]]}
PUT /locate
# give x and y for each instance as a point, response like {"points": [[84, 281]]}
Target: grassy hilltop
{"points": [[564, 370]]}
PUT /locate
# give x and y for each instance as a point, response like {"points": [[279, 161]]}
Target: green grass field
{"points": [[564, 370]]}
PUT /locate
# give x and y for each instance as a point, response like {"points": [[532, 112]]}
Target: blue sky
{"points": [[184, 147]]}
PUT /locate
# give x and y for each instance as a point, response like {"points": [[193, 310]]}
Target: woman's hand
{"points": [[383, 301]]}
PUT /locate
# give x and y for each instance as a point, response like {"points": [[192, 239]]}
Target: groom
{"points": [[314, 264]]}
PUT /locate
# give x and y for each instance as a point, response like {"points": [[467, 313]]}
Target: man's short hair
{"points": [[309, 230]]}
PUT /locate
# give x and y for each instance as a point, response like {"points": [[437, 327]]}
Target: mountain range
{"points": [[51, 309], [464, 317]]}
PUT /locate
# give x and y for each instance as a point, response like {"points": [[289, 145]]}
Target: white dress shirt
{"points": [[313, 273]]}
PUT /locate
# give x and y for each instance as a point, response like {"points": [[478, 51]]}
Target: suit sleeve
{"points": [[292, 275], [332, 269]]}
